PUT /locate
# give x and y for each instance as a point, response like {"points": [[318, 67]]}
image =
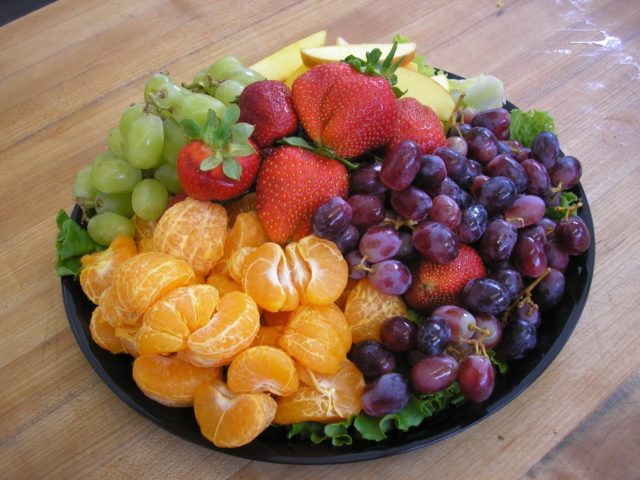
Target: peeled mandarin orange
{"points": [[193, 231], [145, 278], [247, 231], [263, 369], [98, 268], [275, 318], [269, 336], [104, 334], [146, 245], [329, 270], [223, 284], [228, 419], [167, 324], [313, 341], [323, 398], [231, 329], [127, 336], [169, 380], [330, 314], [260, 279], [367, 308], [114, 313], [246, 203], [300, 272], [235, 262]]}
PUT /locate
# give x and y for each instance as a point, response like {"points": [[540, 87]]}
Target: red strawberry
{"points": [[220, 162], [267, 105], [292, 184], [345, 110], [435, 284], [419, 123]]}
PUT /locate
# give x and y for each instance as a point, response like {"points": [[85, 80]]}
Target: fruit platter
{"points": [[335, 254]]}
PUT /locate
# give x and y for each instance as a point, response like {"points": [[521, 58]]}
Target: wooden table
{"points": [[67, 72]]}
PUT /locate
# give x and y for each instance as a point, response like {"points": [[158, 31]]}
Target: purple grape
{"points": [[548, 293], [529, 208], [398, 334], [497, 242], [482, 144], [557, 257], [518, 338], [372, 359], [476, 378], [457, 130], [366, 180], [496, 194], [497, 120], [432, 172], [355, 261], [388, 394], [460, 321], [331, 218], [455, 163], [475, 168], [451, 189], [518, 151], [445, 211], [549, 225], [478, 181], [411, 203], [366, 210], [528, 311], [458, 144], [566, 172], [545, 148], [433, 336], [391, 277], [552, 197], [536, 232], [380, 243], [413, 356], [435, 242], [348, 239], [572, 235], [529, 258], [538, 181], [473, 223], [485, 295], [400, 165], [492, 324], [505, 166], [407, 252], [512, 281], [432, 374]]}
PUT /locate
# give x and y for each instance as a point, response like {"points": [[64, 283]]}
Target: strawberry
{"points": [[419, 123], [292, 184], [348, 108], [220, 162], [435, 284], [267, 105]]}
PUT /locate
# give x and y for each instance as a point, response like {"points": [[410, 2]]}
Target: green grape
{"points": [[143, 141], [196, 106], [222, 67], [128, 116], [159, 82], [104, 227], [167, 174], [174, 140], [83, 188], [228, 91], [245, 76], [116, 142], [119, 203], [114, 175], [149, 199]]}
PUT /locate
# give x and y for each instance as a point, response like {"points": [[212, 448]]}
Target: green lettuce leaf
{"points": [[72, 242], [567, 200], [526, 125], [498, 362]]}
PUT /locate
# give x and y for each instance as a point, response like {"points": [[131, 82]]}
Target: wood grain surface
{"points": [[67, 72]]}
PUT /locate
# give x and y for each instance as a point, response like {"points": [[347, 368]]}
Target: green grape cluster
{"points": [[138, 172]]}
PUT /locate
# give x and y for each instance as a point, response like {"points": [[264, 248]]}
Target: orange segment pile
{"points": [[263, 369], [104, 334], [269, 335], [170, 380], [223, 284], [194, 231]]}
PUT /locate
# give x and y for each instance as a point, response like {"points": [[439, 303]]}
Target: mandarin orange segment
{"points": [[300, 272], [263, 369], [329, 270], [145, 278], [246, 203], [193, 231], [323, 398], [235, 262], [146, 245], [127, 336], [114, 313], [367, 308], [260, 279], [313, 341], [98, 268], [144, 228], [269, 335], [223, 284], [104, 334], [247, 231], [228, 419], [275, 318], [330, 314], [231, 329], [169, 380], [167, 324]]}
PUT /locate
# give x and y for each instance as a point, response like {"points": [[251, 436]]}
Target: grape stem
{"points": [[361, 265], [452, 120], [485, 332], [524, 297], [478, 346]]}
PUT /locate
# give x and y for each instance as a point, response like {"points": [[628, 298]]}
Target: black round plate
{"points": [[273, 446]]}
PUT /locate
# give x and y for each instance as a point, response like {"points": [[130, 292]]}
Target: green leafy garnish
{"points": [[415, 316], [72, 243], [372, 66], [569, 204], [399, 38], [526, 125], [497, 362]]}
